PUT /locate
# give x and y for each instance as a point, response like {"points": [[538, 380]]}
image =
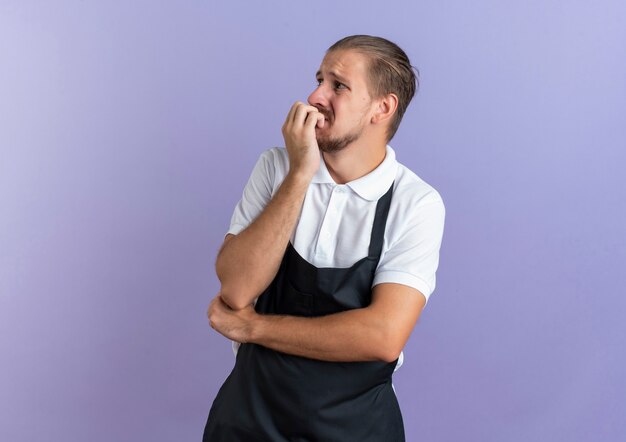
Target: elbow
{"points": [[389, 354], [235, 299], [390, 346]]}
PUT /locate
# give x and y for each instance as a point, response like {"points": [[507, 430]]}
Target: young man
{"points": [[330, 258]]}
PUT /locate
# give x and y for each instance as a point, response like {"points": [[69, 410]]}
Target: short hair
{"points": [[390, 71]]}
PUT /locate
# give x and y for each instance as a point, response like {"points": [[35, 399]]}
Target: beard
{"points": [[332, 145], [329, 144]]}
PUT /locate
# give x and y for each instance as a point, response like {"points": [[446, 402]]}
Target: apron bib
{"points": [[276, 397]]}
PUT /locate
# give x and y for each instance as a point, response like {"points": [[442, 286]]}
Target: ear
{"points": [[385, 109]]}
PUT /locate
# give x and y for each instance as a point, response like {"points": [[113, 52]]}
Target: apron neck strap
{"points": [[380, 221]]}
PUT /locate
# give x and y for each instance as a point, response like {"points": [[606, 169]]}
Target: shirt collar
{"points": [[371, 186]]}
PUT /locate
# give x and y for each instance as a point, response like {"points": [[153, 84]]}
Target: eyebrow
{"points": [[332, 74]]}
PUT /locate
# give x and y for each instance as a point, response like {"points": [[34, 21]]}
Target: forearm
{"points": [[354, 335], [249, 261]]}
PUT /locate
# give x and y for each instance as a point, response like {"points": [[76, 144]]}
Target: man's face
{"points": [[342, 96]]}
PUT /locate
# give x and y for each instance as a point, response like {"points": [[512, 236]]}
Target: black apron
{"points": [[276, 397]]}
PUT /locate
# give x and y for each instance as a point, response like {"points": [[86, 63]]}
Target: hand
{"points": [[233, 324], [299, 134]]}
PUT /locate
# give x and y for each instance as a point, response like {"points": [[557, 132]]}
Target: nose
{"points": [[319, 97]]}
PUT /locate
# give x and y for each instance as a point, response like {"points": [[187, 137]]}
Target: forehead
{"points": [[349, 64]]}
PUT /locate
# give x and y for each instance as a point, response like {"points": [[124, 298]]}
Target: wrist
{"points": [[257, 328], [299, 177]]}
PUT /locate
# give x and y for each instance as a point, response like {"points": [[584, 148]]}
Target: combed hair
{"points": [[390, 71]]}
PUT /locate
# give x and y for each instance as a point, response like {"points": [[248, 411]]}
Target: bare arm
{"points": [[247, 262], [376, 332]]}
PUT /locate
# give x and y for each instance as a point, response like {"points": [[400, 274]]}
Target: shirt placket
{"points": [[326, 243]]}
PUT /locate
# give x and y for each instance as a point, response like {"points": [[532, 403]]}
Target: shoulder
{"points": [[276, 157], [413, 234], [412, 193], [271, 167]]}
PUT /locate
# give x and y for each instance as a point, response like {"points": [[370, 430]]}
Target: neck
{"points": [[354, 161]]}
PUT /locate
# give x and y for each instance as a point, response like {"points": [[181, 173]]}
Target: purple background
{"points": [[127, 132]]}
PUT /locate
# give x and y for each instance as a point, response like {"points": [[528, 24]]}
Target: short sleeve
{"points": [[256, 194], [412, 257]]}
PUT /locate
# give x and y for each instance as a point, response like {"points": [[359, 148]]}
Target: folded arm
{"points": [[377, 332], [248, 262]]}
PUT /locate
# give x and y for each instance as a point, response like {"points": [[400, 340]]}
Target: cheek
{"points": [[332, 106]]}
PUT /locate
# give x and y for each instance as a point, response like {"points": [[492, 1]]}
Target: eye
{"points": [[336, 85]]}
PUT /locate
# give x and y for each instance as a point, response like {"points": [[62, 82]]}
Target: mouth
{"points": [[322, 124], [326, 121], [325, 114]]}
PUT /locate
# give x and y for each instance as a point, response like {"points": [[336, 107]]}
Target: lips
{"points": [[325, 113], [326, 117]]}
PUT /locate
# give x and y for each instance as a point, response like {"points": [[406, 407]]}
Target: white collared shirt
{"points": [[335, 223]]}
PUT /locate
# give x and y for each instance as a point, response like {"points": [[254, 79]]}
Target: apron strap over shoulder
{"points": [[380, 221]]}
